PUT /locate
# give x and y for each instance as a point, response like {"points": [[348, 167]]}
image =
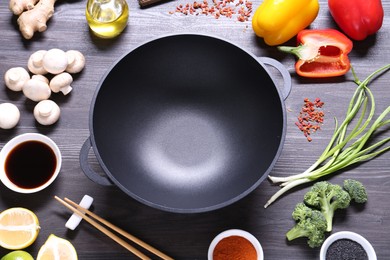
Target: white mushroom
{"points": [[41, 78], [9, 115], [76, 61], [61, 82], [55, 61], [36, 90], [15, 78], [35, 62], [47, 112]]}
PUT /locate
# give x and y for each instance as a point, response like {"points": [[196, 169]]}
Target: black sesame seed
{"points": [[346, 249]]}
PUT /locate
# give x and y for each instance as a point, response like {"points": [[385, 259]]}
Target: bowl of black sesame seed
{"points": [[346, 245]]}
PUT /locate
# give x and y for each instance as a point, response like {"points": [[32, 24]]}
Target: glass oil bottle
{"points": [[107, 18]]}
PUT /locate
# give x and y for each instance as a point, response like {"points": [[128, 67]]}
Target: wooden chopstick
{"points": [[84, 212], [120, 231]]}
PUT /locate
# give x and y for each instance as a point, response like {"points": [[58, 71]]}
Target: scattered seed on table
{"points": [[310, 117], [242, 9]]}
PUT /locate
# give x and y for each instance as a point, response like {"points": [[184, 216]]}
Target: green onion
{"points": [[345, 147]]}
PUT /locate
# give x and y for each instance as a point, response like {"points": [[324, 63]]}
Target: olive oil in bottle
{"points": [[107, 18]]}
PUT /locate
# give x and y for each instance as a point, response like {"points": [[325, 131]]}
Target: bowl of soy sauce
{"points": [[29, 163]]}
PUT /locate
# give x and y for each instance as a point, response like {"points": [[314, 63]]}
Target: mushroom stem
{"points": [[35, 62], [45, 109]]}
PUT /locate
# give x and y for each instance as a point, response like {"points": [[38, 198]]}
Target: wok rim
{"points": [[152, 204]]}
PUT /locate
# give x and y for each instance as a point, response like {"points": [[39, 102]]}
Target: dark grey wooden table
{"points": [[187, 236]]}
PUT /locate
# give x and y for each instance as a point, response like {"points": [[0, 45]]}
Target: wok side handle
{"points": [[88, 171], [283, 71]]}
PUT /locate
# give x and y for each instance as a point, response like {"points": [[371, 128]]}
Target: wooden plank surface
{"points": [[187, 236]]}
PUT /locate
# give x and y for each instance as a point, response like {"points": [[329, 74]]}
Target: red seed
{"points": [[310, 117], [227, 8]]}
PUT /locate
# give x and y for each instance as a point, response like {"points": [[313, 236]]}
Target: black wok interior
{"points": [[187, 123]]}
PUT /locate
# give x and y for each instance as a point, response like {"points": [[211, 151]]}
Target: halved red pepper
{"points": [[357, 18], [321, 53]]}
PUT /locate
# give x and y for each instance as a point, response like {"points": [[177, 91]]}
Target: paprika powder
{"points": [[234, 247]]}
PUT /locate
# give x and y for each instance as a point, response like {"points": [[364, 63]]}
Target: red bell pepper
{"points": [[321, 53], [357, 18]]}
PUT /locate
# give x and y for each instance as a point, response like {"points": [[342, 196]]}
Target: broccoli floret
{"points": [[301, 212], [356, 190], [311, 223], [327, 197]]}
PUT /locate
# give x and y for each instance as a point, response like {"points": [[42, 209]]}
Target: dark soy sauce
{"points": [[30, 164]]}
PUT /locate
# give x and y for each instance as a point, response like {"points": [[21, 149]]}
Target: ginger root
{"points": [[19, 6], [35, 19]]}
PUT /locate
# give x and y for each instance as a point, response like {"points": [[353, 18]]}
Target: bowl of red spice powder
{"points": [[235, 244]]}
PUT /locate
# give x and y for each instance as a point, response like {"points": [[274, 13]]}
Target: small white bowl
{"points": [[14, 142], [348, 235], [236, 232]]}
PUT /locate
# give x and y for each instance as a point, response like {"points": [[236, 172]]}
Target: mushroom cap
{"points": [[36, 90], [9, 115], [35, 62], [41, 78], [55, 61], [61, 82], [47, 112], [76, 61], [15, 78]]}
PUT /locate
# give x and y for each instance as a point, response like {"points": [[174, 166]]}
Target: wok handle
{"points": [[283, 71], [88, 171]]}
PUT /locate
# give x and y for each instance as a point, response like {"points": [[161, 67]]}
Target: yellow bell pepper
{"points": [[277, 21]]}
